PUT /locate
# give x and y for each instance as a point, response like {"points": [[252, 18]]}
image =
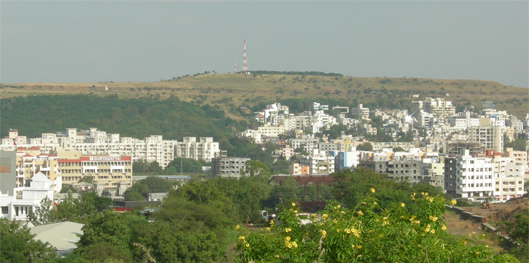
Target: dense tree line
{"points": [[195, 222], [139, 118]]}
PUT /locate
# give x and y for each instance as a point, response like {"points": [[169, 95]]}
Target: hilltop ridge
{"points": [[230, 91]]}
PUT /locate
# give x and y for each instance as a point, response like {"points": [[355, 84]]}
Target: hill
{"points": [[230, 91]]}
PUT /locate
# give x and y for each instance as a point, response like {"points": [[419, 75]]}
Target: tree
{"points": [[17, 244], [366, 146], [107, 227], [43, 213], [188, 165], [364, 233]]}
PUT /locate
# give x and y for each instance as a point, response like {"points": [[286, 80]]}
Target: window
{"points": [[5, 210]]}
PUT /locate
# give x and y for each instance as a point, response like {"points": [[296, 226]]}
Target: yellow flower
{"points": [[293, 204], [288, 229], [271, 222], [247, 245], [237, 227], [360, 213], [240, 238], [443, 227], [453, 202], [432, 231], [267, 229], [338, 230], [313, 215], [359, 256], [295, 211], [352, 246], [335, 221], [338, 206], [359, 247], [464, 242], [287, 239], [323, 233], [324, 216], [402, 205], [277, 256], [376, 220], [372, 190], [385, 223], [375, 203], [294, 244]]}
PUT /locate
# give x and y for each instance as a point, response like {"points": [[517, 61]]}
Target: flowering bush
{"points": [[367, 233]]}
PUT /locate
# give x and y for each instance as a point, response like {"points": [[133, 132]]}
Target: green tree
{"points": [[17, 244], [366, 146], [364, 233], [188, 166], [43, 213], [106, 227]]}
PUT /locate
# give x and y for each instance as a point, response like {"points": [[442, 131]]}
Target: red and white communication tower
{"points": [[234, 67], [244, 61]]}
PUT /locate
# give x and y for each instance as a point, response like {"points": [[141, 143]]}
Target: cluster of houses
{"points": [[464, 153]]}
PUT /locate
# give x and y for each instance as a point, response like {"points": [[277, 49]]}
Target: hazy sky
{"points": [[91, 41]]}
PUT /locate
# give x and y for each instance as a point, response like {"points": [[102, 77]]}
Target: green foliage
{"points": [[188, 165], [366, 146], [17, 244], [351, 185], [365, 233], [516, 144], [107, 227], [148, 185], [43, 213], [517, 228], [33, 115]]}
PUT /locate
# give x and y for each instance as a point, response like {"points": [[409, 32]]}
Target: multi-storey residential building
{"points": [[31, 161], [228, 167], [108, 171], [203, 150], [318, 162], [270, 131], [360, 111], [346, 159], [92, 141], [508, 178], [489, 136], [450, 174], [474, 177], [307, 143], [297, 169], [437, 107]]}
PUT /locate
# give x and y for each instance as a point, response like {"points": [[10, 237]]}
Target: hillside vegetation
{"points": [[231, 91]]}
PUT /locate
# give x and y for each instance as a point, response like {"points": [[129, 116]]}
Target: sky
{"points": [[130, 41]]}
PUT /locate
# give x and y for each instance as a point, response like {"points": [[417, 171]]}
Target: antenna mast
{"points": [[244, 60]]}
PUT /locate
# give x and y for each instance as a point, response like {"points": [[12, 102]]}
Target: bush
{"points": [[366, 233]]}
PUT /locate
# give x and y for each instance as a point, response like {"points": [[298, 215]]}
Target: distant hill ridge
{"points": [[231, 91]]}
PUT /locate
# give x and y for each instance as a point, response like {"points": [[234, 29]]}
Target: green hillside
{"points": [[230, 91]]}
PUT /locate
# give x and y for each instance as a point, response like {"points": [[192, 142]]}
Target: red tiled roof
{"points": [[34, 148], [27, 155]]}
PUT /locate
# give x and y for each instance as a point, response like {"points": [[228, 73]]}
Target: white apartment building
{"points": [[93, 142], [474, 177], [19, 205], [437, 107], [508, 179], [203, 150], [318, 162], [270, 131]]}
